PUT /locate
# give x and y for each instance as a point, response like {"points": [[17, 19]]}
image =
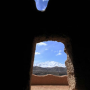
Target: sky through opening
{"points": [[41, 4], [50, 54]]}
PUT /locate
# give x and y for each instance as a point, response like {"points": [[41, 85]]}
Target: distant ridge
{"points": [[59, 71]]}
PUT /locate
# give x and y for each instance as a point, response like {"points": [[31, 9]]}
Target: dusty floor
{"points": [[49, 87]]}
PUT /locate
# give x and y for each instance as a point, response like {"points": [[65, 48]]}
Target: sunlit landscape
{"points": [[49, 70]]}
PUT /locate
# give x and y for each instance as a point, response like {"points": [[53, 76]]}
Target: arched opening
{"points": [[50, 59], [41, 5], [68, 62], [49, 66]]}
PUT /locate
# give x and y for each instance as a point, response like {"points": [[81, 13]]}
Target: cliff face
{"points": [[49, 80]]}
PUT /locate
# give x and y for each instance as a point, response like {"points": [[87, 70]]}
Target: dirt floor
{"points": [[49, 87]]}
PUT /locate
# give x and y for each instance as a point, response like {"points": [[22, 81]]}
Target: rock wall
{"points": [[70, 68], [68, 50], [62, 18], [77, 62], [49, 80]]}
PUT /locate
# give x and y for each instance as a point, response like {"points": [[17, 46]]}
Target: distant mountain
{"points": [[49, 70], [49, 64]]}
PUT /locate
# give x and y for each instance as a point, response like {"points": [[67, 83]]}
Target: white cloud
{"points": [[59, 53], [49, 64], [36, 53], [41, 43]]}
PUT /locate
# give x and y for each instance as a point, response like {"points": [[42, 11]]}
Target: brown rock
{"points": [[49, 80]]}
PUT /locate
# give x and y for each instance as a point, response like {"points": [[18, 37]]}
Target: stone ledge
{"points": [[49, 80]]}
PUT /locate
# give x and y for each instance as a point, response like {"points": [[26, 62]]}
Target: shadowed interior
{"points": [[62, 19]]}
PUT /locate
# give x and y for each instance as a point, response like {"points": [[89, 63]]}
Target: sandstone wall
{"points": [[49, 80]]}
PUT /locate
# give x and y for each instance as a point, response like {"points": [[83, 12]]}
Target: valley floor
{"points": [[49, 87]]}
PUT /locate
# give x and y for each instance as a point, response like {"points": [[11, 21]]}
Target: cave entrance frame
{"points": [[68, 50]]}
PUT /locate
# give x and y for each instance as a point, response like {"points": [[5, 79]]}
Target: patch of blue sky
{"points": [[50, 51], [41, 4]]}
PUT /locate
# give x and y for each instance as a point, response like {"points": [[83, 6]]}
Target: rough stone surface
{"points": [[70, 70], [69, 65]]}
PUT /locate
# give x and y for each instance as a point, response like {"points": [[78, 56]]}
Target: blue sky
{"points": [[41, 4], [49, 53]]}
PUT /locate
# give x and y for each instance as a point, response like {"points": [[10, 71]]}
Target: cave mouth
{"points": [[50, 59], [68, 62]]}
